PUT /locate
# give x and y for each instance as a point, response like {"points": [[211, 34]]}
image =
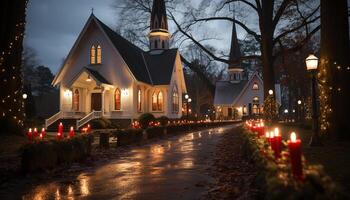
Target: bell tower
{"points": [[235, 68], [159, 35]]}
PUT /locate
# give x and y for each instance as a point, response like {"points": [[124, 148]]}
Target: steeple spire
{"points": [[235, 68], [159, 36], [235, 52]]}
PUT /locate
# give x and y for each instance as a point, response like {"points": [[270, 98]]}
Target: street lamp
{"points": [[311, 66], [270, 92], [189, 100]]}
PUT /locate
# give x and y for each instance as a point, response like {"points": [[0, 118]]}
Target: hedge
{"points": [[128, 136], [275, 177], [44, 155]]}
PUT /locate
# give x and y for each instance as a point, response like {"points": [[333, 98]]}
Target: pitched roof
{"points": [[97, 76], [147, 67], [226, 92]]}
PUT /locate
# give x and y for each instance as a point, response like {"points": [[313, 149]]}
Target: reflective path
{"points": [[172, 168]]}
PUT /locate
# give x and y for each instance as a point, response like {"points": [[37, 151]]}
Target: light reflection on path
{"points": [[173, 168]]}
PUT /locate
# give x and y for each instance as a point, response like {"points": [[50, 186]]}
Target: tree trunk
{"points": [[335, 60], [267, 30], [12, 24]]}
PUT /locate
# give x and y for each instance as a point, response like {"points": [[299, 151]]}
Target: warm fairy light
{"points": [[267, 134], [272, 135], [293, 137], [277, 132]]}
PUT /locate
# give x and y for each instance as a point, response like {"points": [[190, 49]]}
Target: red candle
{"points": [[277, 143], [30, 134], [88, 128], [60, 128], [35, 133], [71, 132], [43, 132], [294, 146]]}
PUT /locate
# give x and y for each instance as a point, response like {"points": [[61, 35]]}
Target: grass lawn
{"points": [[334, 155]]}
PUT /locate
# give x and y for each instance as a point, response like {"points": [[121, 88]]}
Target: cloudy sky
{"points": [[54, 25]]}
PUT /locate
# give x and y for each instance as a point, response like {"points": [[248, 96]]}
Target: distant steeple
{"points": [[235, 52], [159, 35], [235, 67]]}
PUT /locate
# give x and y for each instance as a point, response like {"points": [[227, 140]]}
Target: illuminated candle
{"points": [[71, 132], [294, 146], [43, 132], [88, 128], [35, 133], [30, 134], [60, 128]]}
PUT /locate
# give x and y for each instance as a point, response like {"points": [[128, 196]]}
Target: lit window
{"points": [[256, 100], [76, 100], [160, 101], [175, 100], [117, 97], [99, 55], [154, 101], [139, 98], [255, 86], [157, 101], [255, 109], [244, 110], [93, 55]]}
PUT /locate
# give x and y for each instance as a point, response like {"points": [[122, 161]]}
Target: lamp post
{"points": [[188, 103], [311, 66], [299, 110]]}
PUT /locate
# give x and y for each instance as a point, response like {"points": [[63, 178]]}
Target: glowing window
{"points": [[175, 100], [139, 99], [99, 55], [76, 100], [93, 55], [160, 101], [255, 86], [117, 101], [154, 101]]}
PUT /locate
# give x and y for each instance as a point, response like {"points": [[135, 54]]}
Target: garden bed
{"points": [[275, 176]]}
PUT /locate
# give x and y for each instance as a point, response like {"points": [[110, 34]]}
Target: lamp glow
{"points": [[270, 92], [311, 62]]}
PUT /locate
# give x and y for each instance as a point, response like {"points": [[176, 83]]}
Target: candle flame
{"points": [[293, 137], [277, 132], [61, 124], [267, 134], [272, 135], [43, 129], [71, 128], [30, 130], [35, 130]]}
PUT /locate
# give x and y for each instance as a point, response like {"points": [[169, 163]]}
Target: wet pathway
{"points": [[172, 168]]}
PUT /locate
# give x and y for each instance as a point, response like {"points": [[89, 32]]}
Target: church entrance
{"points": [[96, 101]]}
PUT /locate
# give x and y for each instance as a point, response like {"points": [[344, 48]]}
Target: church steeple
{"points": [[235, 68], [159, 35]]}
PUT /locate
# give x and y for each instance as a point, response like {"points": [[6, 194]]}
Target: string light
{"points": [[13, 47]]}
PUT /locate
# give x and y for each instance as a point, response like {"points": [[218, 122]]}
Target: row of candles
{"points": [[274, 139], [33, 133]]}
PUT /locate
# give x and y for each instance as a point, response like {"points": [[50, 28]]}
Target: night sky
{"points": [[54, 25]]}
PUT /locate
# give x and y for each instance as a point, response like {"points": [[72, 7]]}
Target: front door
{"points": [[96, 101]]}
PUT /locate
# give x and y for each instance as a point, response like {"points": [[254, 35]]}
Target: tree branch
{"points": [[247, 29]]}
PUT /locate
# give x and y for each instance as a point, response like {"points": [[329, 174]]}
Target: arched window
{"points": [[256, 105], [93, 55], [157, 101], [99, 55], [154, 101], [117, 101], [156, 44], [163, 44], [175, 100], [160, 101], [255, 86], [139, 100], [76, 100]]}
